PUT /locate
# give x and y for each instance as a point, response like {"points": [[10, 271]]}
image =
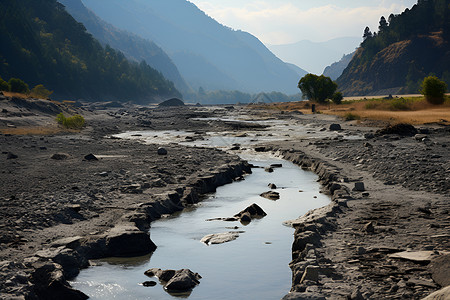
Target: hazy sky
{"points": [[290, 21]]}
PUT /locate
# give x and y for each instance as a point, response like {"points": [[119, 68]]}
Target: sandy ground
{"points": [[406, 200]]}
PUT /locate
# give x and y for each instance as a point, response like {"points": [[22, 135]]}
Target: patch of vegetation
{"points": [[337, 98], [4, 86], [400, 104], [17, 85], [434, 90], [75, 122], [39, 91], [351, 116]]}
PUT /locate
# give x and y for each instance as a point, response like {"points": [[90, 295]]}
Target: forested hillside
{"points": [[132, 46], [42, 44], [406, 48]]}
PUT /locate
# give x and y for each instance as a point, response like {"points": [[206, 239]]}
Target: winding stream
{"points": [[254, 266]]}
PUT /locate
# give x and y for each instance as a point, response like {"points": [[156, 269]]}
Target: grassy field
{"points": [[411, 109]]}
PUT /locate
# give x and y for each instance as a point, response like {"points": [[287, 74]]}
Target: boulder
{"points": [[254, 210], [440, 268], [335, 127], [162, 151], [127, 241], [50, 283], [271, 195], [183, 281], [219, 238], [442, 294], [172, 102]]}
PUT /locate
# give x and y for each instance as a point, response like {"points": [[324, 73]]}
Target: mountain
{"points": [[132, 46], [315, 56], [42, 44], [407, 48], [300, 72], [335, 69], [208, 54]]}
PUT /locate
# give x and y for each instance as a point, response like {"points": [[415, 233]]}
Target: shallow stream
{"points": [[254, 266]]}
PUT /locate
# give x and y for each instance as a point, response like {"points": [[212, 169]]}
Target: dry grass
{"points": [[411, 109], [35, 130], [16, 95]]}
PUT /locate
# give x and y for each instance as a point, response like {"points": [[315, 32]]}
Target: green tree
{"points": [[434, 89], [4, 86], [317, 88], [337, 98], [18, 86], [39, 91]]}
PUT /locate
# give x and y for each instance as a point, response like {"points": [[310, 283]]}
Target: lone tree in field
{"points": [[433, 89], [317, 88]]}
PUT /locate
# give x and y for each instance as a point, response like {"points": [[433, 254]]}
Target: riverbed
{"points": [[254, 266]]}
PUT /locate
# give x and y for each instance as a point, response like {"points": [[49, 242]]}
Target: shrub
{"points": [[18, 86], [337, 98], [4, 86], [39, 91], [74, 122], [350, 117], [434, 89], [400, 104]]}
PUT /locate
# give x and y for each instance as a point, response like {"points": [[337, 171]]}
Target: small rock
{"points": [[11, 156], [311, 273], [369, 227], [271, 195], [90, 157], [162, 151], [268, 169], [219, 238], [149, 283], [359, 187], [420, 137], [276, 165], [183, 280], [272, 186], [335, 127], [417, 256], [245, 217], [60, 156]]}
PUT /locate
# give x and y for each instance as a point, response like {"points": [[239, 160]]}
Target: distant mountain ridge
{"points": [[335, 69], [315, 56], [207, 54], [407, 48], [132, 46]]}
